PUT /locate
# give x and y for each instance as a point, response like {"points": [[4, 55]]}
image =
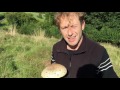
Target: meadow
{"points": [[25, 56]]}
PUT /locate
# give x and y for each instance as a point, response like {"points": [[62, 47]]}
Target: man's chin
{"points": [[72, 45]]}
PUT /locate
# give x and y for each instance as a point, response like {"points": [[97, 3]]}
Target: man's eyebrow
{"points": [[67, 25], [64, 27], [73, 24]]}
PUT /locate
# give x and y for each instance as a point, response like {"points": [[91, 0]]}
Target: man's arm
{"points": [[105, 67], [53, 55]]}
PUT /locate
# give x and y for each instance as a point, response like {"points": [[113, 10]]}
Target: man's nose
{"points": [[70, 32]]}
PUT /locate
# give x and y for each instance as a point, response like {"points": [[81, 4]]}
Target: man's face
{"points": [[71, 29]]}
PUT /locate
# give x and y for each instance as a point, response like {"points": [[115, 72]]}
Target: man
{"points": [[82, 57]]}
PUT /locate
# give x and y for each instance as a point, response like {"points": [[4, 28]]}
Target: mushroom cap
{"points": [[54, 71]]}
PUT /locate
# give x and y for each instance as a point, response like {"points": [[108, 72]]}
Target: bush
{"points": [[52, 31], [27, 29], [106, 34]]}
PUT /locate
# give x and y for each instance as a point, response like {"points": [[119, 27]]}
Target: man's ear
{"points": [[83, 24]]}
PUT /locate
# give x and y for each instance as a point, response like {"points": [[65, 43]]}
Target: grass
{"points": [[24, 56]]}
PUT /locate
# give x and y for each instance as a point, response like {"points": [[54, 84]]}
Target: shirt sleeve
{"points": [[53, 55], [105, 67], [52, 58]]}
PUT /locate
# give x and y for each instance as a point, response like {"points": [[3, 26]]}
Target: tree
{"points": [[12, 19], [19, 19]]}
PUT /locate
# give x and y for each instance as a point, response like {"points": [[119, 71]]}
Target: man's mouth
{"points": [[71, 39]]}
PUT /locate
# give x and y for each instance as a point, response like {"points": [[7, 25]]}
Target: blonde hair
{"points": [[58, 16]]}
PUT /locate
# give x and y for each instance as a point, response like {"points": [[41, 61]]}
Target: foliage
{"points": [[102, 19], [21, 20], [2, 16], [28, 29], [100, 26], [48, 24], [106, 34], [103, 26], [53, 31]]}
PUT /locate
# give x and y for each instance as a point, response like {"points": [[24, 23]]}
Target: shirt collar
{"points": [[83, 46]]}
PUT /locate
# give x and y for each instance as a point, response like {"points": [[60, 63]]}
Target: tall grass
{"points": [[25, 56]]}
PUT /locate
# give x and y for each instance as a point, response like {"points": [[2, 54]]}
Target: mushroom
{"points": [[54, 71]]}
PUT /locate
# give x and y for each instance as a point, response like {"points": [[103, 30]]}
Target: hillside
{"points": [[22, 56], [25, 56]]}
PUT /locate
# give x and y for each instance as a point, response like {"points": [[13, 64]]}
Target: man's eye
{"points": [[64, 28], [74, 26]]}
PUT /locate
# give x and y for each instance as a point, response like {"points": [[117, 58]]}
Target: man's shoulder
{"points": [[93, 44], [58, 44]]}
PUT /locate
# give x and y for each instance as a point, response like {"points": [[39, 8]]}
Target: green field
{"points": [[25, 56]]}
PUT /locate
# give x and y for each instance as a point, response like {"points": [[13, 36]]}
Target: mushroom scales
{"points": [[54, 71]]}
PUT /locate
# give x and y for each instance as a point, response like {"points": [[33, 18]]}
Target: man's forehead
{"points": [[68, 23]]}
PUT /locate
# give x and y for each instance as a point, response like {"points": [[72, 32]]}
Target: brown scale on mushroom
{"points": [[54, 71]]}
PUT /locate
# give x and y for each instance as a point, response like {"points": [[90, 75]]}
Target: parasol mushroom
{"points": [[54, 71]]}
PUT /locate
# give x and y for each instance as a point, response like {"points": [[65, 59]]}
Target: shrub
{"points": [[27, 29], [106, 34], [52, 31]]}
